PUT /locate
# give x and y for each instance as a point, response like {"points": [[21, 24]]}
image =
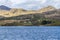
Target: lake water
{"points": [[30, 33]]}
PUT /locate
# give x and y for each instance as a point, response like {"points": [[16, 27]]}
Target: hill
{"points": [[45, 16]]}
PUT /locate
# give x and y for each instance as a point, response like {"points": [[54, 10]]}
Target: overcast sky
{"points": [[30, 4]]}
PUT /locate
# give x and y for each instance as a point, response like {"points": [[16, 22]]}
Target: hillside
{"points": [[17, 12]]}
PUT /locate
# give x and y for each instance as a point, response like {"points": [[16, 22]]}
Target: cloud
{"points": [[17, 1], [30, 4], [41, 1]]}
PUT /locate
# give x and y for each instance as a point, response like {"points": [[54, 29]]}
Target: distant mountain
{"points": [[2, 7]]}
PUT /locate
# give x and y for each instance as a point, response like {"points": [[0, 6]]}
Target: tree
{"points": [[46, 22]]}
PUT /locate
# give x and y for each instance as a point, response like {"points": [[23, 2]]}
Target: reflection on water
{"points": [[30, 33]]}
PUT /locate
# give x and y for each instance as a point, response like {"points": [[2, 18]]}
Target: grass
{"points": [[34, 22]]}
